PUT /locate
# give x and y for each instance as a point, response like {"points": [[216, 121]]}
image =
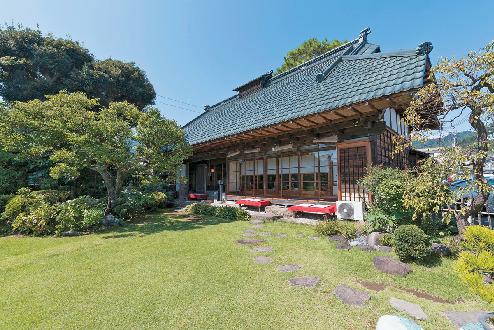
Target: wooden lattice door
{"points": [[353, 159]]}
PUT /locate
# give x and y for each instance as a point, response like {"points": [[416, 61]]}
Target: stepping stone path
{"points": [[251, 241], [258, 226], [256, 222], [337, 238], [262, 260], [351, 296], [250, 235], [282, 235], [266, 233], [300, 235], [461, 318], [288, 268], [314, 238], [343, 246], [306, 281], [251, 230], [262, 249], [411, 309], [391, 266]]}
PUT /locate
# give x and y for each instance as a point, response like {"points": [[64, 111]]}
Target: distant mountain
{"points": [[462, 138]]}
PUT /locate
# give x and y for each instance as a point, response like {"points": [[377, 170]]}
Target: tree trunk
{"points": [[480, 183], [113, 185]]}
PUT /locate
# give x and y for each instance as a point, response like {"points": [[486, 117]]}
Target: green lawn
{"points": [[170, 272]]}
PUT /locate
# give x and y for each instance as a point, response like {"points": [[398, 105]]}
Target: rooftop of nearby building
{"points": [[354, 72]]}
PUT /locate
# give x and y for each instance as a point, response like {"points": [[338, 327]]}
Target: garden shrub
{"points": [[377, 220], [336, 227], [131, 202], [411, 243], [387, 186], [225, 212], [79, 214], [38, 221], [386, 240], [477, 261]]}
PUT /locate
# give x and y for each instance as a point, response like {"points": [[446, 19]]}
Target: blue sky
{"points": [[196, 52]]}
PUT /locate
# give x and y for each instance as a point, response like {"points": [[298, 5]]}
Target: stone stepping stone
{"points": [[461, 318], [251, 230], [383, 248], [266, 233], [256, 222], [258, 226], [411, 309], [265, 217], [262, 249], [343, 246], [288, 268], [394, 322], [305, 281], [365, 247], [251, 241], [282, 235], [351, 296], [250, 235], [314, 238], [391, 266], [337, 238], [300, 235], [262, 260]]}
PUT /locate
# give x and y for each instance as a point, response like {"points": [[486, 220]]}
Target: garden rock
{"points": [[351, 296], [314, 238], [262, 260], [343, 246], [383, 248], [374, 238], [266, 233], [394, 322], [411, 309], [110, 220], [365, 247], [262, 249], [305, 281], [250, 241], [288, 268], [461, 318], [282, 235], [441, 250], [256, 222], [251, 230], [250, 235], [391, 266], [357, 241], [337, 238]]}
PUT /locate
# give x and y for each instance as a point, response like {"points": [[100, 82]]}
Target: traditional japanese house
{"points": [[310, 132]]}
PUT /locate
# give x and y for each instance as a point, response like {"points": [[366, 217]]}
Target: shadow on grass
{"points": [[163, 220], [432, 261]]}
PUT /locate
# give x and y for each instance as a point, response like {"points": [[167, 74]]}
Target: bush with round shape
{"points": [[477, 261], [411, 243]]}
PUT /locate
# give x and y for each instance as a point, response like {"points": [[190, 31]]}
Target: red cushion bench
{"points": [[253, 202], [312, 208], [198, 196]]}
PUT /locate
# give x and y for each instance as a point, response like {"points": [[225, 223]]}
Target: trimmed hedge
{"points": [[336, 227], [225, 212], [411, 243]]}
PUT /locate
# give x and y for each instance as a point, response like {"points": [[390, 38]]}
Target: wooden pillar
{"points": [[265, 176]]}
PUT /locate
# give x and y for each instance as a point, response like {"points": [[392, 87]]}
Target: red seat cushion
{"points": [[198, 196], [258, 203], [329, 209]]}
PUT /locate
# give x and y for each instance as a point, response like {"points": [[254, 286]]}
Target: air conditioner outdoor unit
{"points": [[350, 210]]}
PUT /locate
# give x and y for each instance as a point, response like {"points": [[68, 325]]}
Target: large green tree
{"points": [[114, 141], [33, 65], [308, 50], [463, 87]]}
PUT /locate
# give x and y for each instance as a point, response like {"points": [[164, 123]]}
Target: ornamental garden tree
{"points": [[462, 87], [114, 141]]}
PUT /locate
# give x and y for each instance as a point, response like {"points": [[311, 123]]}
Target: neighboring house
{"points": [[310, 132]]}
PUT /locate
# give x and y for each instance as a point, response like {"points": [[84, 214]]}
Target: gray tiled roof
{"points": [[360, 76]]}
